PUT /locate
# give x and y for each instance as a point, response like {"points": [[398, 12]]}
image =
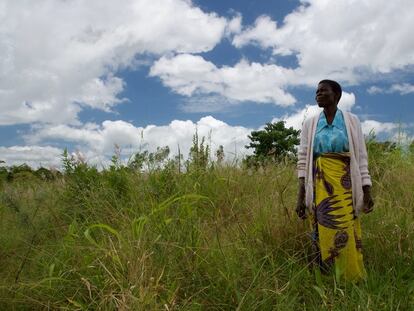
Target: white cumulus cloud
{"points": [[192, 75], [59, 56], [97, 142], [262, 33], [34, 156], [373, 126], [344, 40], [402, 88]]}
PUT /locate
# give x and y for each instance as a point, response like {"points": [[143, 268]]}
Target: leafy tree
{"points": [[157, 159], [22, 171], [136, 162], [3, 175], [3, 172], [80, 176], [44, 174], [275, 142], [153, 160]]}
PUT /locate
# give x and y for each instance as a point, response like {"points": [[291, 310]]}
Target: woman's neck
{"points": [[330, 113]]}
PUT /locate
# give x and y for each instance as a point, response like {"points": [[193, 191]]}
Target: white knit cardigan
{"points": [[359, 160]]}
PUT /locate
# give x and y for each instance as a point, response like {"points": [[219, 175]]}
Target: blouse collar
{"points": [[337, 122]]}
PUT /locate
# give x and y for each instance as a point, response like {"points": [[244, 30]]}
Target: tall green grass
{"points": [[223, 238]]}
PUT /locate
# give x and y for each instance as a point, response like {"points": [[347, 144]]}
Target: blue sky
{"points": [[89, 76]]}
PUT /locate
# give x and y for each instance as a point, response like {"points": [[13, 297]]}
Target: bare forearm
{"points": [[300, 206], [301, 185], [366, 189]]}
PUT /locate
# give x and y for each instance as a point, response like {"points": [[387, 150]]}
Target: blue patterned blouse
{"points": [[330, 137]]}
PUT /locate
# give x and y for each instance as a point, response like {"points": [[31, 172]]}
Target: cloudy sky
{"points": [[89, 75]]}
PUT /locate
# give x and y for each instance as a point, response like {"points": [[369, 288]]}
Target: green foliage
{"points": [[68, 162], [223, 239], [220, 155], [3, 174], [19, 173], [150, 161], [157, 159], [375, 147], [275, 142], [25, 174], [199, 157], [45, 174], [80, 178], [137, 161], [16, 169]]}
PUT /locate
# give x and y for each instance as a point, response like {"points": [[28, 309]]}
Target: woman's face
{"points": [[325, 96]]}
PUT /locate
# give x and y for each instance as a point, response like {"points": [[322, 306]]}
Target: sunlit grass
{"points": [[216, 239]]}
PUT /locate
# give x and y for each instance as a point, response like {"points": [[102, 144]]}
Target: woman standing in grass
{"points": [[334, 183]]}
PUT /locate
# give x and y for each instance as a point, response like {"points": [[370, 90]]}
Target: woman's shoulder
{"points": [[352, 117]]}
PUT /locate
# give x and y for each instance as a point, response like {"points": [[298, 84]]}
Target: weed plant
{"points": [[216, 237]]}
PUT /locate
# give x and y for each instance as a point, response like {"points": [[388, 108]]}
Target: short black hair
{"points": [[336, 87]]}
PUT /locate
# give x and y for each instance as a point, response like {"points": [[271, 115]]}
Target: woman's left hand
{"points": [[368, 201]]}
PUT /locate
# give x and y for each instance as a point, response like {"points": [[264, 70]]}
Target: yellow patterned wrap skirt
{"points": [[337, 232]]}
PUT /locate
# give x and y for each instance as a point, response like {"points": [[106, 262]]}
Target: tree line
{"points": [[272, 144]]}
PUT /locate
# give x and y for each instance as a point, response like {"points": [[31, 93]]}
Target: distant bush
{"points": [[272, 144]]}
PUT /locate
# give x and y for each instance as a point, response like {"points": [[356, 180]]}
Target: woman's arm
{"points": [[363, 168], [368, 201], [300, 205], [363, 157]]}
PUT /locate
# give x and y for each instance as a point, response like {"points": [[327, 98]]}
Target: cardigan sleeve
{"points": [[363, 157], [303, 149]]}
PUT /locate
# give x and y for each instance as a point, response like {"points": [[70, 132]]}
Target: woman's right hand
{"points": [[368, 201], [300, 205]]}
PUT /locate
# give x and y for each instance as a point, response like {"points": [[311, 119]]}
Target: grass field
{"points": [[221, 238]]}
